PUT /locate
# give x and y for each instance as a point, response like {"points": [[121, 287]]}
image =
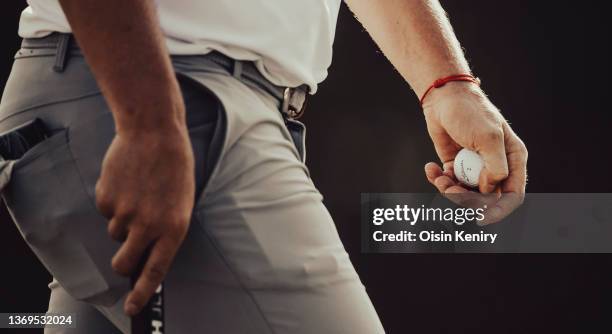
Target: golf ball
{"points": [[467, 167]]}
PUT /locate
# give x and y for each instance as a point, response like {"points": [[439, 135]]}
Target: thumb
{"points": [[491, 148]]}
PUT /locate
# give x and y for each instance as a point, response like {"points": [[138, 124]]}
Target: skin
{"points": [[146, 188], [419, 41]]}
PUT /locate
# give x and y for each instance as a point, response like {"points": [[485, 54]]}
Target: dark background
{"points": [[545, 64]]}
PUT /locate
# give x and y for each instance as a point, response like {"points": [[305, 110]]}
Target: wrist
{"points": [[163, 124], [452, 89], [148, 147], [164, 115], [173, 143]]}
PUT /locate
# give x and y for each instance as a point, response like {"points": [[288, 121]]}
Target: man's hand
{"points": [[459, 115], [146, 190], [147, 184], [418, 39]]}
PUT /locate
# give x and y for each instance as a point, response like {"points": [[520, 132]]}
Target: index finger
{"points": [[153, 273], [517, 163], [513, 188], [490, 146]]}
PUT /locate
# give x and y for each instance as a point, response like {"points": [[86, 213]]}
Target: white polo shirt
{"points": [[291, 40]]}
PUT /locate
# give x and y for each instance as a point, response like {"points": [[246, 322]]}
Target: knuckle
{"points": [[121, 266], [152, 225], [156, 273], [181, 225], [104, 204], [115, 231], [176, 235], [138, 298], [125, 213], [139, 235], [492, 135], [172, 234], [174, 224], [498, 175], [523, 151], [100, 191], [519, 153]]}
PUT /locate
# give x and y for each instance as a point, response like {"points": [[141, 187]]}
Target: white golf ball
{"points": [[467, 167]]}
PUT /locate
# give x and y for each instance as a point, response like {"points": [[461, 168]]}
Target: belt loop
{"points": [[237, 70], [61, 56]]}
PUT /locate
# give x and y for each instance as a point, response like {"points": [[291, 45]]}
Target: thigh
{"points": [[262, 254], [267, 220]]}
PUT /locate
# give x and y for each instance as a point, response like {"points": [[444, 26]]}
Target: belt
{"points": [[292, 100]]}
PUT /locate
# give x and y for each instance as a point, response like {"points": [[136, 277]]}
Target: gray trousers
{"points": [[262, 254]]}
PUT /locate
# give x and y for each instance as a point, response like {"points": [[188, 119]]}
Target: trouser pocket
{"points": [[56, 217]]}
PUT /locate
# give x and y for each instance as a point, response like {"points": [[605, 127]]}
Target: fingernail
{"points": [[131, 309]]}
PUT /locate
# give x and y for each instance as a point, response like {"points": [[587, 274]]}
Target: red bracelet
{"points": [[443, 81]]}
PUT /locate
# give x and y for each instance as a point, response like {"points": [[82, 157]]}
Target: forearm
{"points": [[416, 36], [124, 47]]}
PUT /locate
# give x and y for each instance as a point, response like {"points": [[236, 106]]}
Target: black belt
{"points": [[292, 100]]}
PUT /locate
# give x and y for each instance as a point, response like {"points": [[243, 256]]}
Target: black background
{"points": [[545, 64]]}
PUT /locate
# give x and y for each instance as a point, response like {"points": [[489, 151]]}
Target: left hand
{"points": [[459, 115]]}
